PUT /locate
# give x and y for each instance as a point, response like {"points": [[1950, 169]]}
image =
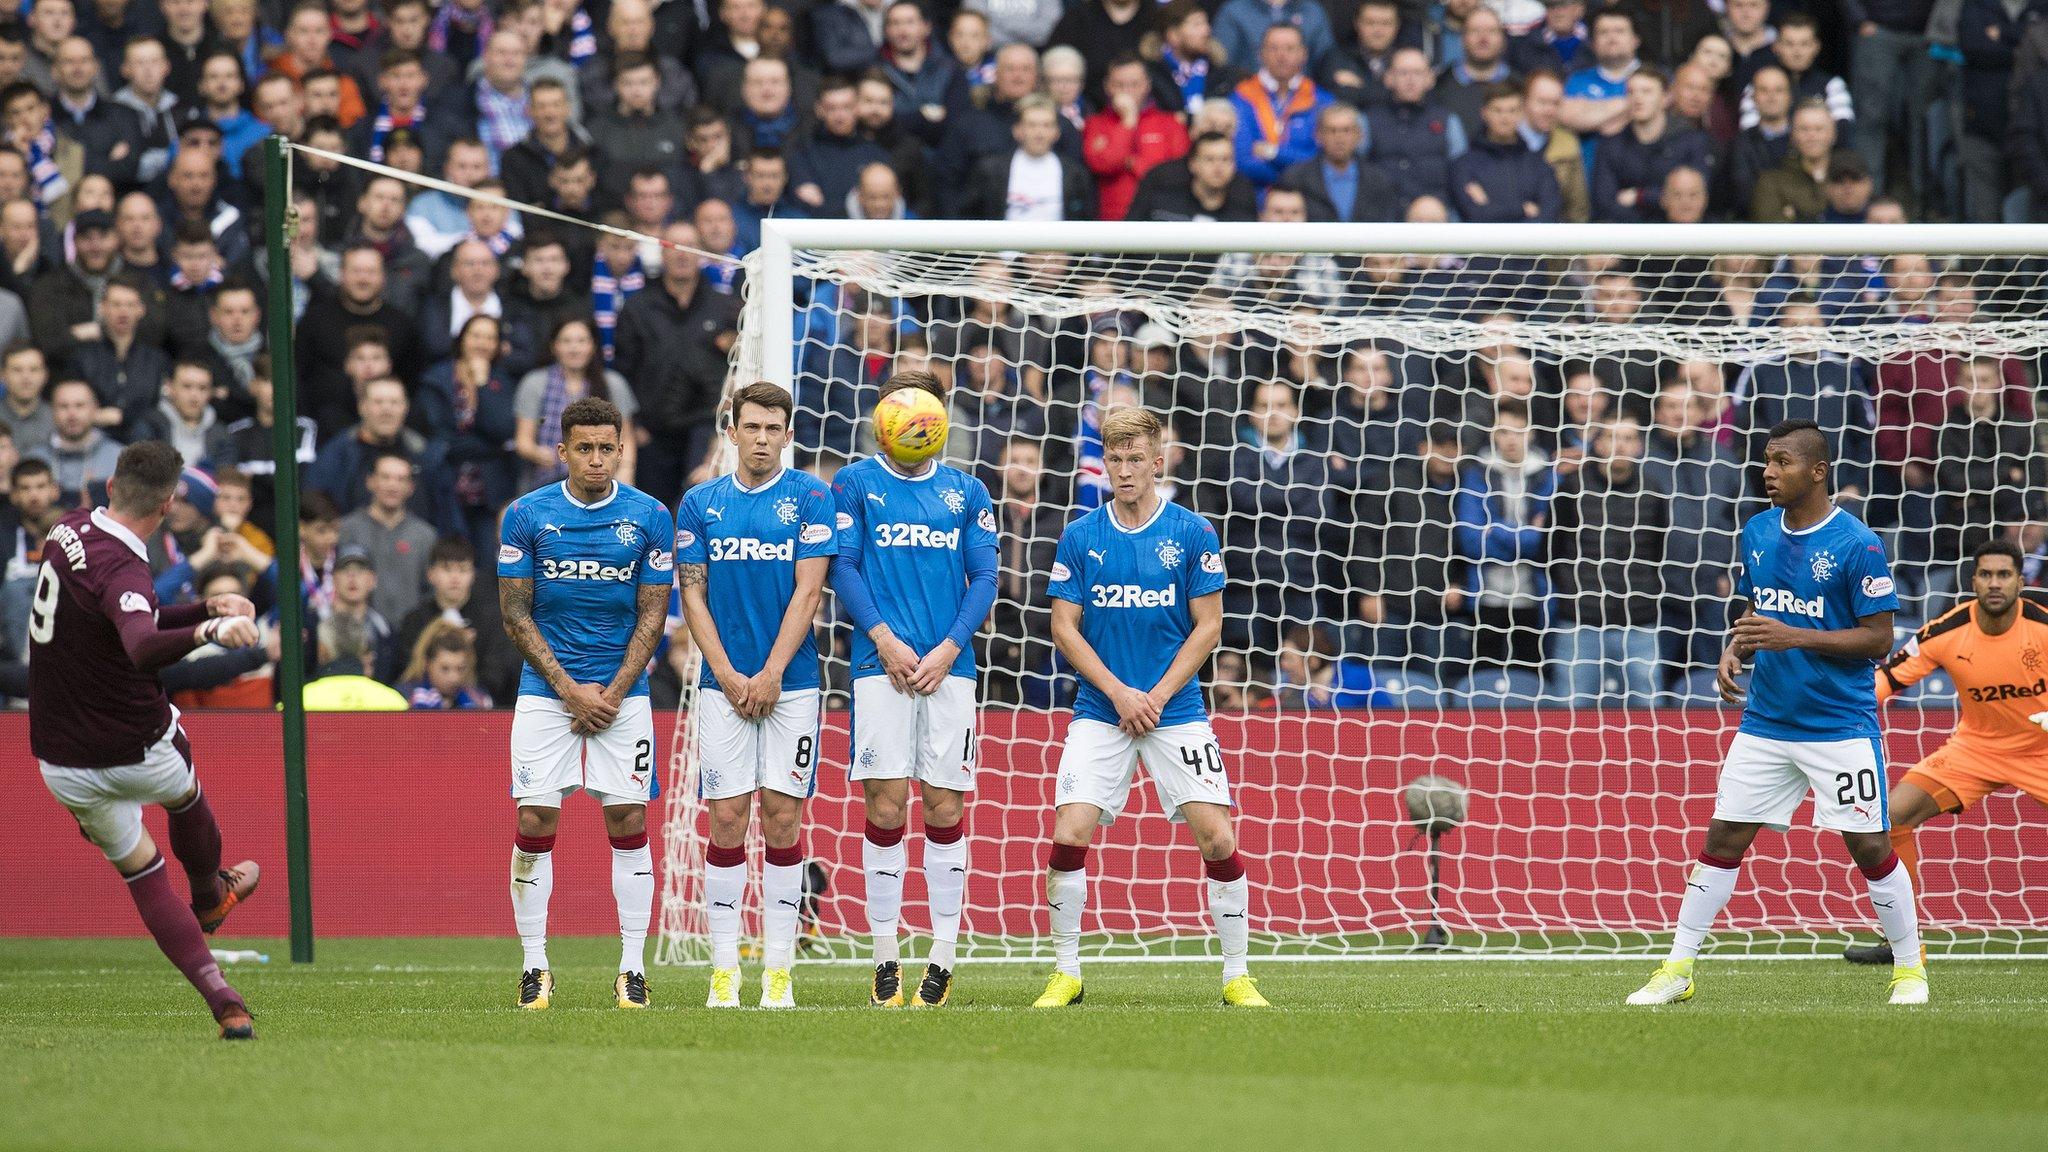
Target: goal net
{"points": [[1478, 489]]}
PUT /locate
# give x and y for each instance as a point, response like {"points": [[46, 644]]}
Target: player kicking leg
{"points": [[754, 549], [1137, 607], [916, 572], [584, 570], [106, 737], [1817, 617]]}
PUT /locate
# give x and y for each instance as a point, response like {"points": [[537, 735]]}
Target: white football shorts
{"points": [[616, 766], [779, 752], [930, 739], [107, 802], [1763, 782], [1184, 761]]}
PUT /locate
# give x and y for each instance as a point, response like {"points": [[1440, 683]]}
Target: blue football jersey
{"points": [[911, 536], [587, 562], [749, 541], [1826, 578], [1136, 587]]}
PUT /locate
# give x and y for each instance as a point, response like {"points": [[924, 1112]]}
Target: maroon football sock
{"points": [[195, 841], [177, 933]]}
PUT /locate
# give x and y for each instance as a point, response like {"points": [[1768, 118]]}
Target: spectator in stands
{"points": [[467, 401], [1559, 42], [630, 32], [1702, 485], [61, 301], [543, 296], [1761, 146], [499, 93], [1130, 136], [380, 223], [636, 131], [23, 412], [1033, 182], [672, 343], [767, 194], [1502, 514], [1813, 385], [1410, 579], [571, 371], [34, 507], [1893, 79], [184, 418], [1846, 198], [1684, 200], [1462, 87], [197, 271], [1793, 190], [307, 35], [1241, 27], [456, 599], [2026, 141], [1066, 74], [397, 542], [1746, 24], [1102, 30], [402, 104], [1629, 166], [526, 165], [1989, 34], [1795, 50], [1017, 650], [249, 450], [930, 87], [219, 104], [1606, 548], [1281, 280], [1988, 473], [1187, 66], [472, 289], [322, 337], [353, 638], [1501, 180], [1413, 137], [1276, 522], [78, 453], [126, 370], [188, 40], [1276, 109], [831, 157], [1542, 102], [233, 340], [1207, 186], [110, 133], [441, 674], [343, 465], [1337, 184], [1355, 72], [1596, 96]]}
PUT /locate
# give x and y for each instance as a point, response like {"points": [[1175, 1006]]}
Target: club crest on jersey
{"points": [[1824, 567], [956, 500], [627, 532], [1169, 554], [2030, 658], [785, 509]]}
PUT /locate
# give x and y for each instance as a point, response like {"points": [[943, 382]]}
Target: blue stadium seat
{"points": [[1397, 687], [1502, 688]]}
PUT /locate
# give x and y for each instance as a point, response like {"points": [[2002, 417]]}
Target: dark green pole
{"points": [[278, 226]]}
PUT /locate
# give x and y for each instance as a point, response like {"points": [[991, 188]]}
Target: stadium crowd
{"points": [[1394, 521]]}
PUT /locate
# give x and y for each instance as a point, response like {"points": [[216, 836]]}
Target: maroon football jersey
{"points": [[96, 641]]}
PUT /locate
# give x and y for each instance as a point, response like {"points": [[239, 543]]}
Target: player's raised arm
{"points": [[1906, 667]]}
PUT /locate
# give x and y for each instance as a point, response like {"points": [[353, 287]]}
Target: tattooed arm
{"points": [[589, 711], [652, 607]]}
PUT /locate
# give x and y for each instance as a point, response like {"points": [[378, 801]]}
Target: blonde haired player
{"points": [[916, 573], [1995, 649], [1137, 607]]}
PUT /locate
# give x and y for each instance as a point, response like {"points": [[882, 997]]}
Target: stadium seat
{"points": [[1502, 688], [1397, 687]]}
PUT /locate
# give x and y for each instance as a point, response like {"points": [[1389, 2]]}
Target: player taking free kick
{"points": [[584, 571], [1818, 617], [1137, 607], [916, 572], [752, 552], [108, 739], [1995, 649]]}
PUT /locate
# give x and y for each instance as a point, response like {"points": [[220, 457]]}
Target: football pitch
{"points": [[413, 1044]]}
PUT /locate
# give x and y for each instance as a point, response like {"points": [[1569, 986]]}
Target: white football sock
{"points": [[884, 868], [1066, 896], [1230, 902], [633, 888], [1707, 891], [1892, 899], [725, 886], [533, 881], [945, 882], [782, 897]]}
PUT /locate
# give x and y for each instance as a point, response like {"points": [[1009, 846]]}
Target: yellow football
{"points": [[910, 425]]}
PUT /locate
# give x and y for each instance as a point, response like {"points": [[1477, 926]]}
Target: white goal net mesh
{"points": [[1479, 518]]}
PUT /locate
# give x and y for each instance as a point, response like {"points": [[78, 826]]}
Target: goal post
{"points": [[1401, 432]]}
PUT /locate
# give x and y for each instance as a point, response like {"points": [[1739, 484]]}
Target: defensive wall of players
{"points": [[405, 805]]}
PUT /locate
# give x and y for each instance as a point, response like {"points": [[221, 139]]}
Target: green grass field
{"points": [[412, 1044]]}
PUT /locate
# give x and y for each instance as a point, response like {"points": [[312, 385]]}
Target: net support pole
{"points": [[774, 304], [291, 604]]}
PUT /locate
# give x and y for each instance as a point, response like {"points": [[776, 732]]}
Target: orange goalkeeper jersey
{"points": [[2001, 681]]}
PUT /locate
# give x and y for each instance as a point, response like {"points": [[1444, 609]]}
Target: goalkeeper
{"points": [[1995, 648]]}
